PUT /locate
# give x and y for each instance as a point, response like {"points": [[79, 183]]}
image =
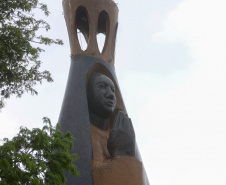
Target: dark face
{"points": [[101, 95]]}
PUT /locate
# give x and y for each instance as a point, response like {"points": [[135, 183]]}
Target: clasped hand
{"points": [[121, 140]]}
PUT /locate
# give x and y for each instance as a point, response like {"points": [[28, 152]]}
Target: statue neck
{"points": [[99, 122]]}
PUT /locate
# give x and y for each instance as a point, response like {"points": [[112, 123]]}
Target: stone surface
{"points": [[74, 115]]}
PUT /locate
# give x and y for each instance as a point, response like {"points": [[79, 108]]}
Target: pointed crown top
{"points": [[92, 17]]}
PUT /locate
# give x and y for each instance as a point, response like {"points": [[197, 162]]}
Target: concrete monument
{"points": [[93, 109]]}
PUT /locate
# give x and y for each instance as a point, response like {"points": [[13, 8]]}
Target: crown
{"points": [[92, 17]]}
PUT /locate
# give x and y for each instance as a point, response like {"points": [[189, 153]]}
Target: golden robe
{"points": [[120, 170]]}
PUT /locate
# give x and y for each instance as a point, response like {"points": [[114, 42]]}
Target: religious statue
{"points": [[93, 109], [114, 161]]}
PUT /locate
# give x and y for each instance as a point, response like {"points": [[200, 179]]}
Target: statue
{"points": [[114, 159], [93, 109]]}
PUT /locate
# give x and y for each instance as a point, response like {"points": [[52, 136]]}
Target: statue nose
{"points": [[109, 94]]}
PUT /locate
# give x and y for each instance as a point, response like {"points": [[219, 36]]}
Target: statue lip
{"points": [[111, 103]]}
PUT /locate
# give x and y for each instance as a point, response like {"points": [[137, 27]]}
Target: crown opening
{"points": [[101, 41], [82, 27], [103, 31]]}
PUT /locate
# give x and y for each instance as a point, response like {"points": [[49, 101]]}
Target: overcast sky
{"points": [[170, 64]]}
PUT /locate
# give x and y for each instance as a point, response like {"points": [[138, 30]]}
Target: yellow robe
{"points": [[120, 170]]}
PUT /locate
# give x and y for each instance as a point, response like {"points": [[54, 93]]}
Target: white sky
{"points": [[170, 63]]}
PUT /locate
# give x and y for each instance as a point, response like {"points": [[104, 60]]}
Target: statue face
{"points": [[101, 95]]}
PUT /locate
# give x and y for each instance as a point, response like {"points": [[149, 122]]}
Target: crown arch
{"points": [[103, 29], [82, 27], [114, 38]]}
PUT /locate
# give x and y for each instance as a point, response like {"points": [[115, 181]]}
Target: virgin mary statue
{"points": [[93, 109]]}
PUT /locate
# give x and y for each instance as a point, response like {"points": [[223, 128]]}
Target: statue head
{"points": [[101, 95]]}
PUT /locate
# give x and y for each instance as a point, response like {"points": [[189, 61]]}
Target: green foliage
{"points": [[37, 157], [19, 51]]}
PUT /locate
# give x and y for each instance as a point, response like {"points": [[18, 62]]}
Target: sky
{"points": [[170, 63]]}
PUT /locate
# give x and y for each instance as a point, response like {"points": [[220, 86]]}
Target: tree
{"points": [[19, 47], [37, 157]]}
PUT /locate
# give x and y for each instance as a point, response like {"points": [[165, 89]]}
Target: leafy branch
{"points": [[37, 156], [19, 56]]}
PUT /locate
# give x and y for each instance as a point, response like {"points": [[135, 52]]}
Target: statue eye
{"points": [[112, 89], [101, 85]]}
